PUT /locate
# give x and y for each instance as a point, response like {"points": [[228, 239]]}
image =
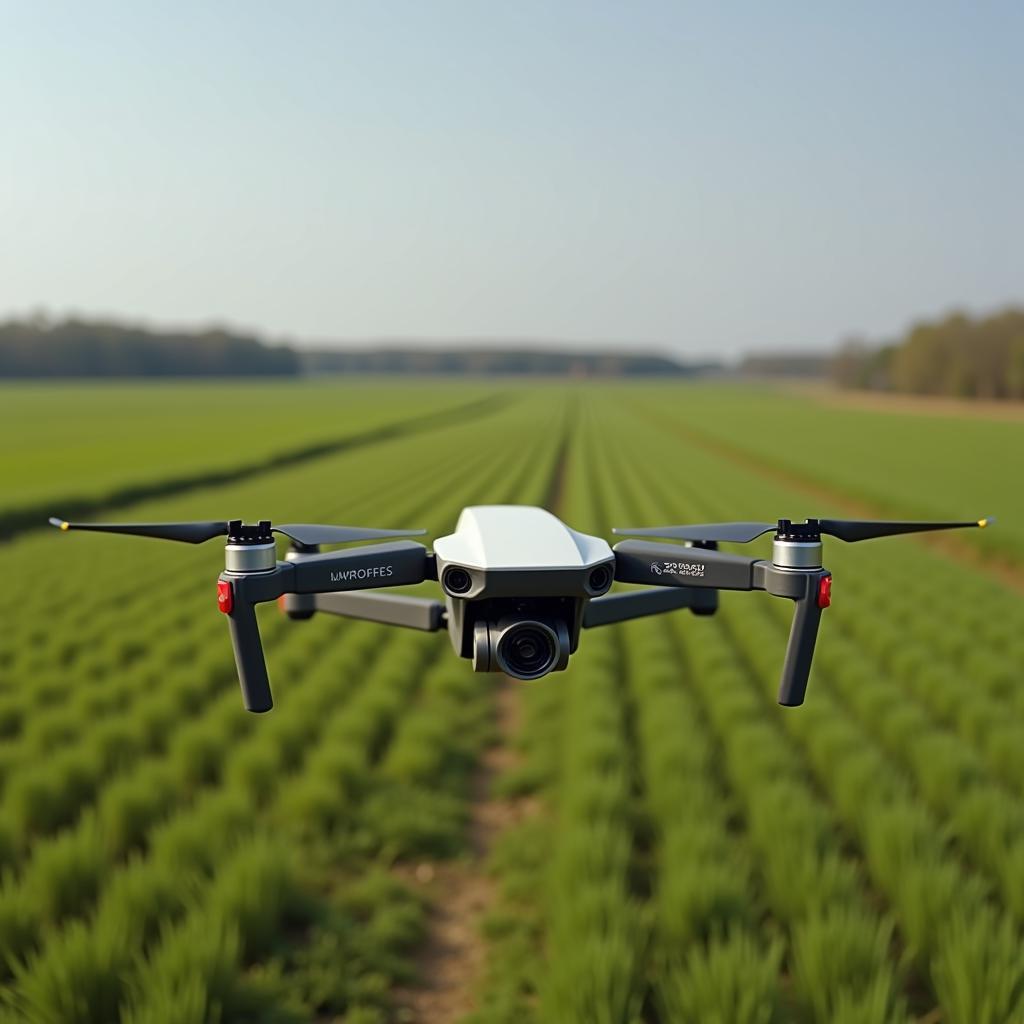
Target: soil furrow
{"points": [[451, 961]]}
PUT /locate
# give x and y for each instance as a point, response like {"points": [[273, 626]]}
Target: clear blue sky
{"points": [[697, 177]]}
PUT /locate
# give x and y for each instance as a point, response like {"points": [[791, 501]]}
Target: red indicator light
{"points": [[225, 597], [824, 591]]}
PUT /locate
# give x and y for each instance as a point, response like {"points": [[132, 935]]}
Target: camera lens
{"points": [[456, 580], [528, 650], [600, 579]]}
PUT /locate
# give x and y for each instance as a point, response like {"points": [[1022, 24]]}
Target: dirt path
{"points": [[921, 405], [451, 961]]}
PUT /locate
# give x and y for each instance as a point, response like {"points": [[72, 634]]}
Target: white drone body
{"points": [[518, 537], [516, 581]]}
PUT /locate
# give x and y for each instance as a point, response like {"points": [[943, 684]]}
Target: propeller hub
{"points": [[806, 531], [240, 533], [250, 548]]}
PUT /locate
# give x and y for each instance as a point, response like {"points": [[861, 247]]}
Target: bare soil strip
{"points": [[1006, 572], [921, 405], [452, 959]]}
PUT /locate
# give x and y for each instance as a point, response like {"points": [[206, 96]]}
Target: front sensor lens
{"points": [[457, 581], [600, 578]]}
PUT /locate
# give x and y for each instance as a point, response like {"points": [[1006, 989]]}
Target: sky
{"points": [[695, 178]]}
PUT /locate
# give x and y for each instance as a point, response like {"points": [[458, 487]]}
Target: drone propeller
{"points": [[845, 529], [852, 530], [189, 533], [307, 534]]}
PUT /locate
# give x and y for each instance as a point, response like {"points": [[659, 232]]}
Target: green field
{"points": [[103, 443], [646, 837]]}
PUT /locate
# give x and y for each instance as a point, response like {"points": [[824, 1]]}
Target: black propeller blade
{"points": [[862, 529], [307, 534], [736, 533], [310, 534], [190, 533], [845, 529]]}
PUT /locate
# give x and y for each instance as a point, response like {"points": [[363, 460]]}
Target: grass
{"points": [[177, 429], [694, 852]]}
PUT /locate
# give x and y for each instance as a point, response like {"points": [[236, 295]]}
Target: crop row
{"points": [[950, 725], [328, 773], [937, 905], [853, 860], [696, 854], [45, 796], [903, 463], [814, 896], [120, 633], [188, 849], [595, 932], [92, 442]]}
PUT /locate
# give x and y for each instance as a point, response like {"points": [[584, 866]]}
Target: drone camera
{"points": [[523, 639], [529, 650]]}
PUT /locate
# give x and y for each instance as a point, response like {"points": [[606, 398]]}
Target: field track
{"points": [[644, 838], [923, 405]]}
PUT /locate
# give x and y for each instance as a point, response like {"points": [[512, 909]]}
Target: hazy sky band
{"points": [[702, 178]]}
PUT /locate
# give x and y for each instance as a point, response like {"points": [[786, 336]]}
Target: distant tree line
{"points": [[486, 362], [76, 348], [959, 356], [786, 364], [37, 347]]}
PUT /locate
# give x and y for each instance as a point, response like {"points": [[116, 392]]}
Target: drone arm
{"points": [[796, 669], [671, 565], [811, 592], [397, 564], [249, 658], [601, 611], [377, 565], [391, 609], [237, 597], [809, 589]]}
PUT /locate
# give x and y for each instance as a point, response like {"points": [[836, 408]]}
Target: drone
{"points": [[519, 585]]}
